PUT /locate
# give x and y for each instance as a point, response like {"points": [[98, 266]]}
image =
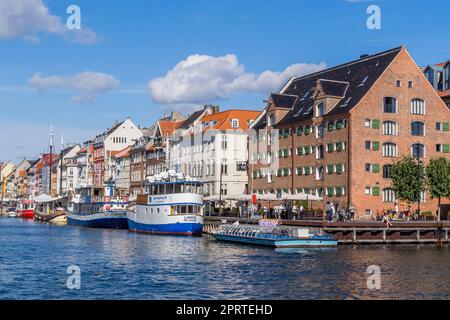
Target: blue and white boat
{"points": [[171, 204], [98, 208], [277, 237]]}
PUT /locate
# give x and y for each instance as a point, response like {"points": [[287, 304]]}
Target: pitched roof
{"points": [[360, 75], [192, 118], [168, 127], [222, 120], [122, 153]]}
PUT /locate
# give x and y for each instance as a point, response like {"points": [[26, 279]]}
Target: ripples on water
{"points": [[117, 264]]}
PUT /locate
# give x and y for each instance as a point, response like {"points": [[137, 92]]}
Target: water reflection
{"points": [[117, 264]]}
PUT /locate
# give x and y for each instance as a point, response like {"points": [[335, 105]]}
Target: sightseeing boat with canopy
{"points": [[172, 204]]}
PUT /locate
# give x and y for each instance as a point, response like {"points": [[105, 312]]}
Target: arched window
{"points": [[389, 105], [389, 149], [417, 128], [418, 150], [387, 171], [388, 195], [417, 106], [390, 128]]}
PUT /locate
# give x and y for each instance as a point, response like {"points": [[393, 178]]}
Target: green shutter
{"points": [[339, 191], [330, 147], [445, 126], [376, 124], [299, 131], [375, 146], [299, 151], [330, 126], [376, 191], [339, 124], [330, 168], [376, 168], [445, 148], [339, 146], [307, 130], [339, 168], [330, 191]]}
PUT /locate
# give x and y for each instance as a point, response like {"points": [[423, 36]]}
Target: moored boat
{"points": [[49, 209], [172, 204], [98, 208], [276, 237], [25, 209]]}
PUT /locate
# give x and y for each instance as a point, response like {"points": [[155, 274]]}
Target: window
{"points": [[319, 173], [445, 148], [417, 106], [320, 110], [398, 83], [368, 167], [387, 171], [389, 149], [224, 143], [388, 195], [390, 105], [319, 152], [235, 123], [390, 128], [319, 131], [410, 84], [417, 128], [224, 167], [271, 120], [368, 123], [368, 190], [418, 150], [368, 145], [442, 126]]}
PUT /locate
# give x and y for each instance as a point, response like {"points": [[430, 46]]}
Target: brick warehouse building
{"points": [[340, 129]]}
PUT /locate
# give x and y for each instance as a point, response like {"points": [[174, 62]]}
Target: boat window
{"points": [[183, 209], [169, 188], [177, 188]]}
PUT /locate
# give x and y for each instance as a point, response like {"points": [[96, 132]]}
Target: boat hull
{"points": [[26, 214], [103, 220], [191, 225], [287, 243]]}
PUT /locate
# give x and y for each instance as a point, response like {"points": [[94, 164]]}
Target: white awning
{"points": [[43, 198]]}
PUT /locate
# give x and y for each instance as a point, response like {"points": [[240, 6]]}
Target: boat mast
{"points": [[51, 160], [61, 166]]}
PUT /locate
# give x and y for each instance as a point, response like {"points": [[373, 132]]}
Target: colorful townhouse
{"points": [[102, 148], [336, 133], [214, 150]]}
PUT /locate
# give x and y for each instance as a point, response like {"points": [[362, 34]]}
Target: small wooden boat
{"points": [[277, 237], [11, 214], [58, 217]]}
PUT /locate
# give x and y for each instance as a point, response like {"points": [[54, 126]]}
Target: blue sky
{"points": [[139, 41]]}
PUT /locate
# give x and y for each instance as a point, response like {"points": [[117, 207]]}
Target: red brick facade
{"points": [[349, 169]]}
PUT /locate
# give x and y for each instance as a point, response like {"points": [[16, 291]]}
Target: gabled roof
{"points": [[283, 100], [360, 75], [122, 153], [167, 127], [192, 118], [222, 120], [333, 88]]}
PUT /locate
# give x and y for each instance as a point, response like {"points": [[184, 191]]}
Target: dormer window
{"points": [[235, 123], [320, 109]]}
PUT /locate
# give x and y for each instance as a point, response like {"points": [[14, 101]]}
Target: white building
{"points": [[215, 151], [68, 178]]}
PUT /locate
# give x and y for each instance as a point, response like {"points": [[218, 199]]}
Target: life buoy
{"points": [[107, 199], [107, 207]]}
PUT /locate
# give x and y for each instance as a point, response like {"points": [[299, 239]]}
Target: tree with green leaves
{"points": [[438, 180], [408, 179]]}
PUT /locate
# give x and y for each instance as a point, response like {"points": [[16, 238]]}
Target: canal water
{"points": [[117, 264]]}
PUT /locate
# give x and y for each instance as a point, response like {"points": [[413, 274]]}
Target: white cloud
{"points": [[202, 79], [27, 18], [88, 84]]}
